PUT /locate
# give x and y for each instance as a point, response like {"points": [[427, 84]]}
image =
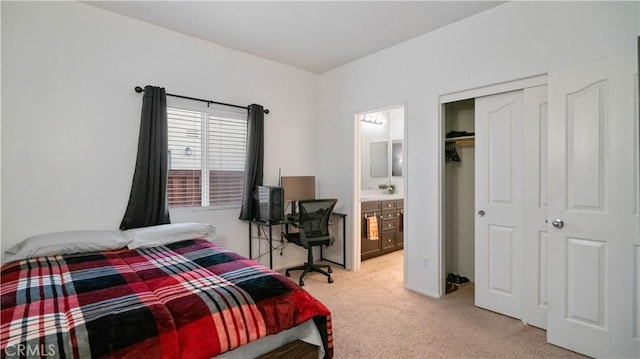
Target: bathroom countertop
{"points": [[380, 197]]}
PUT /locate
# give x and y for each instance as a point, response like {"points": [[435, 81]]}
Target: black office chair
{"points": [[313, 230]]}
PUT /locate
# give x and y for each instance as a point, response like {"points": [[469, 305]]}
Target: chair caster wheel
{"points": [[330, 280], [329, 270], [287, 274], [301, 283]]}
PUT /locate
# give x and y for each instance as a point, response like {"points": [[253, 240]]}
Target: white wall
{"points": [[511, 41], [397, 134], [70, 116]]}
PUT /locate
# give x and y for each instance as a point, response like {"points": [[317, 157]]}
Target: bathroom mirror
{"points": [[379, 160], [396, 158], [381, 148]]}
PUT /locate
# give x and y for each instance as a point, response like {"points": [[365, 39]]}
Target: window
{"points": [[207, 150]]}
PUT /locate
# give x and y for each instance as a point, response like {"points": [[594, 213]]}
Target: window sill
{"points": [[202, 209]]}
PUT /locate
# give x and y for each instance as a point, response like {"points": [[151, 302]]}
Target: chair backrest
{"points": [[314, 217]]}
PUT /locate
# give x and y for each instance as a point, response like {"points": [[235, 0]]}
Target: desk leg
{"points": [[270, 248], [270, 243], [250, 235], [344, 242]]}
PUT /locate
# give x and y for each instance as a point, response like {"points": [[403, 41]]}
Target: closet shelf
{"points": [[463, 140]]}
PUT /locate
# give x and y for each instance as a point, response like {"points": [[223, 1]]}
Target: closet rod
{"points": [[139, 89]]}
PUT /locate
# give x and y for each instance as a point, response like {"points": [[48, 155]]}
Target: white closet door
{"points": [[594, 258], [499, 203], [534, 227]]}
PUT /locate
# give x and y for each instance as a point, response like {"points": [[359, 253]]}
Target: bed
{"points": [[177, 298]]}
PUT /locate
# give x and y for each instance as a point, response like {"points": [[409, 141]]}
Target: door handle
{"points": [[481, 213], [558, 223]]}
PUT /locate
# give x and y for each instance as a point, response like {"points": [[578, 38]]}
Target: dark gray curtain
{"points": [[253, 169], [148, 199]]}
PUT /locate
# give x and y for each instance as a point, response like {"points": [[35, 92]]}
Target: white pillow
{"points": [[59, 243], [168, 233]]}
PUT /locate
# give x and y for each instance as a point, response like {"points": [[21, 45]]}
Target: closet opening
{"points": [[459, 194], [493, 197]]}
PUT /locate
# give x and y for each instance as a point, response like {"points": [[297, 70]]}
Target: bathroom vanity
{"points": [[389, 213]]}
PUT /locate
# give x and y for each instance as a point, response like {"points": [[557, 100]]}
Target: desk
{"points": [[287, 223], [267, 224]]}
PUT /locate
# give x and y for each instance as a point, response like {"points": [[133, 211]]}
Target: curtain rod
{"points": [[139, 89]]}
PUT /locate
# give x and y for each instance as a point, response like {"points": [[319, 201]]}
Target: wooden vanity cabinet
{"points": [[400, 224], [369, 248], [388, 226], [389, 214]]}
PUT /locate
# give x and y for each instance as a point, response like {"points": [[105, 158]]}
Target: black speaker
{"points": [[268, 203]]}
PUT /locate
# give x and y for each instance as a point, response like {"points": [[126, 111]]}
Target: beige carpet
{"points": [[375, 317]]}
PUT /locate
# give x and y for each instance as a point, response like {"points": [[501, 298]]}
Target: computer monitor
{"points": [[297, 188]]}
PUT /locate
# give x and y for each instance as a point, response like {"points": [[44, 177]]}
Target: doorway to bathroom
{"points": [[380, 180]]}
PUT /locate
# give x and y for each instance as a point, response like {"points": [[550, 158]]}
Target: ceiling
{"points": [[316, 36]]}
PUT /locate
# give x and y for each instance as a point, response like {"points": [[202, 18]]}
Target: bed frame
{"points": [[296, 349]]}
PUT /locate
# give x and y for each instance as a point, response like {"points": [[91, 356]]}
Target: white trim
{"points": [[355, 213], [514, 85], [441, 198], [405, 192], [428, 293]]}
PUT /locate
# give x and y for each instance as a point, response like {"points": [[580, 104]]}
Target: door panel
{"points": [[500, 154], [636, 333], [498, 202], [636, 209], [586, 273], [534, 227], [541, 272], [585, 147], [501, 260], [591, 264]]}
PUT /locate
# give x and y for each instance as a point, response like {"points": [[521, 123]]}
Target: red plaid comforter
{"points": [[190, 299]]}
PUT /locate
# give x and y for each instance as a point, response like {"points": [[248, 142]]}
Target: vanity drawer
{"points": [[388, 240], [370, 207], [388, 215], [388, 205], [389, 225]]}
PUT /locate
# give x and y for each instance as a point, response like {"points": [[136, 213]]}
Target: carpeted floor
{"points": [[375, 317]]}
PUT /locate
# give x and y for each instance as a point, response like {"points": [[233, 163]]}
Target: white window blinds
{"points": [[207, 150]]}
